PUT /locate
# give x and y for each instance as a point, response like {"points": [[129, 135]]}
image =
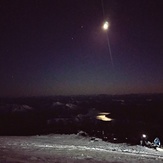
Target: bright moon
{"points": [[106, 25]]}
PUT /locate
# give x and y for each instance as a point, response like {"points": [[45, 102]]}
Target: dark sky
{"points": [[58, 47]]}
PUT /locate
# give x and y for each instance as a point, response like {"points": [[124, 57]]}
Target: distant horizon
{"points": [[100, 94]]}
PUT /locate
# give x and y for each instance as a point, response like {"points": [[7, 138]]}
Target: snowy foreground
{"points": [[71, 148]]}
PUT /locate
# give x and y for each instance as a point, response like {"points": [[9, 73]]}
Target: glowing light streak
{"points": [[102, 116]]}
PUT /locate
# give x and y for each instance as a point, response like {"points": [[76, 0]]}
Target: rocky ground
{"points": [[72, 148]]}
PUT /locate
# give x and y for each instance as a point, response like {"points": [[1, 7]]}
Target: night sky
{"points": [[58, 47]]}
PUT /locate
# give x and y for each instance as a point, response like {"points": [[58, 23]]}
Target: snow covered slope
{"points": [[72, 148]]}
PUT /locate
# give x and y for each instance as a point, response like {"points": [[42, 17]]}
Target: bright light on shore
{"points": [[144, 136], [106, 25]]}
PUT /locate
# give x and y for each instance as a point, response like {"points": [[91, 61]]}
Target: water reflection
{"points": [[103, 116]]}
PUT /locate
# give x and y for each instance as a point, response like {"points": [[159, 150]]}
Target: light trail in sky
{"points": [[106, 27]]}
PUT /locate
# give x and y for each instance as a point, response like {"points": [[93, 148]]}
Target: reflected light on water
{"points": [[102, 116]]}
